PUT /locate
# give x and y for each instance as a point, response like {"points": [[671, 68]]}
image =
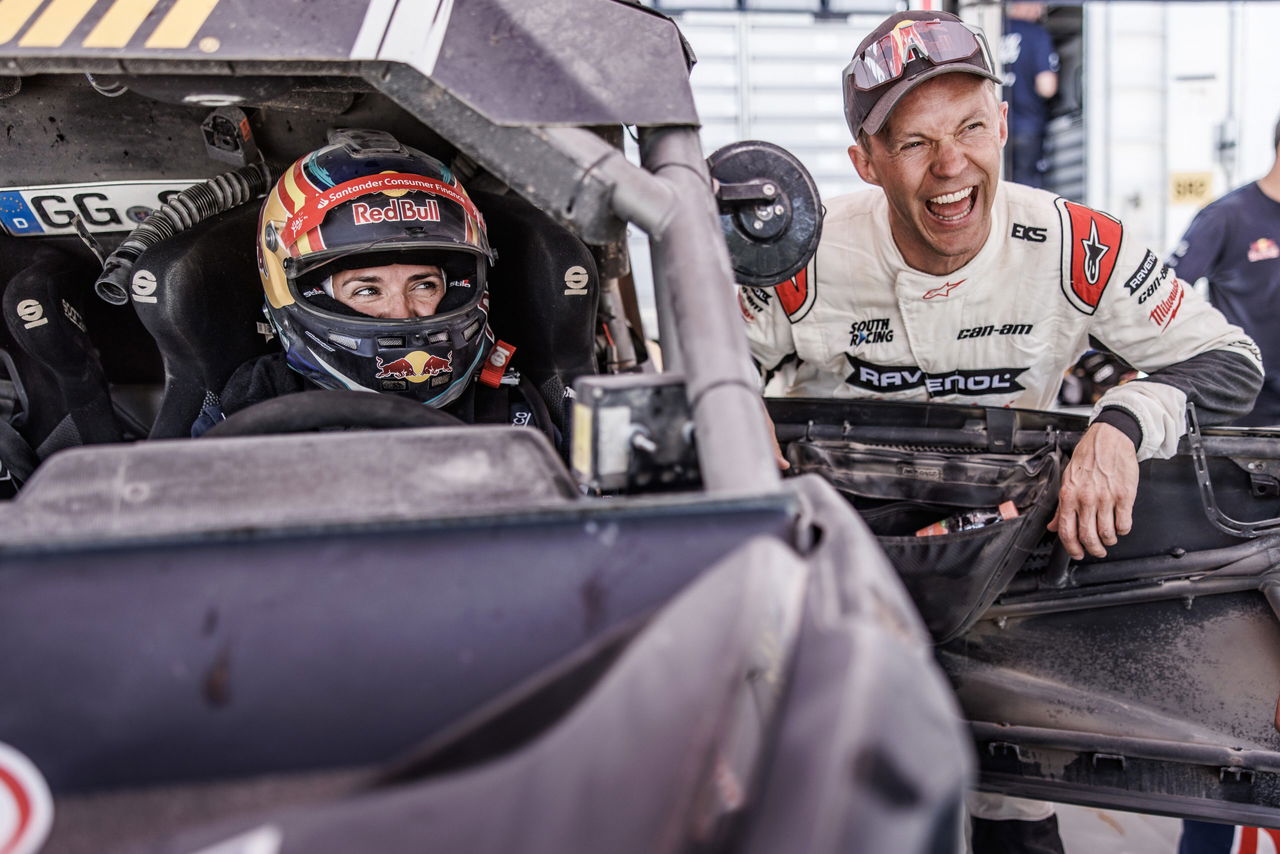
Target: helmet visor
{"points": [[462, 277]]}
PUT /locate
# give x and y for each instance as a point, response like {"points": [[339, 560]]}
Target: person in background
{"points": [[1030, 80], [1234, 243]]}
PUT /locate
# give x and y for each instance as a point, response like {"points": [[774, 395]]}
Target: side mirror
{"points": [[770, 211]]}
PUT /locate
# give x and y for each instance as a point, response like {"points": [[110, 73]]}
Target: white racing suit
{"points": [[1000, 331]]}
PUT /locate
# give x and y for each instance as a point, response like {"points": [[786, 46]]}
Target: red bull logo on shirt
{"points": [[416, 367], [1263, 249]]}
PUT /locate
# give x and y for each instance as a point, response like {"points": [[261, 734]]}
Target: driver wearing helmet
{"points": [[373, 260], [394, 290]]}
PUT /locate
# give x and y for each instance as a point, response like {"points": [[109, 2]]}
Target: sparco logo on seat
{"points": [[905, 377]]}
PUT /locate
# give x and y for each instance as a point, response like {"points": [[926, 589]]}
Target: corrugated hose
{"points": [[193, 205]]}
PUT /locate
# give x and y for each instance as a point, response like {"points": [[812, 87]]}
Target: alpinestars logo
{"points": [[1094, 249], [974, 383], [1090, 255], [796, 296], [943, 290]]}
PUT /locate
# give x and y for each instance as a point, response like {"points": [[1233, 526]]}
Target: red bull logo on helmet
{"points": [[400, 210], [416, 367]]}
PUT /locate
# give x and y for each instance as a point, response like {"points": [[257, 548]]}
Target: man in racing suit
{"points": [[947, 285], [1000, 331]]}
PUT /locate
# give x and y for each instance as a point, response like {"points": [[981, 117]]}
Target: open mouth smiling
{"points": [[952, 207]]}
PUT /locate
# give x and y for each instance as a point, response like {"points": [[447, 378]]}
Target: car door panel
{"points": [[1145, 680]]}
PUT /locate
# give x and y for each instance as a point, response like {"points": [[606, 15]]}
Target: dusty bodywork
{"points": [[431, 638], [1145, 681]]}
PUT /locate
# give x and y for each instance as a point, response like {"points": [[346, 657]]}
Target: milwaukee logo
{"points": [[400, 210], [1164, 313]]}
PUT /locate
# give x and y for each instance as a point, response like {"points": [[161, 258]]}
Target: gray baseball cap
{"points": [[907, 49]]}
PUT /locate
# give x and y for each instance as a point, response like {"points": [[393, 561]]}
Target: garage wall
{"points": [[773, 76], [776, 77], [1181, 102]]}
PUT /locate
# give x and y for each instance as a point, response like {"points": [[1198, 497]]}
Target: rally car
{"points": [[297, 637]]}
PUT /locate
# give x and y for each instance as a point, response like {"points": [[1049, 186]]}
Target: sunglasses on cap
{"points": [[937, 41]]}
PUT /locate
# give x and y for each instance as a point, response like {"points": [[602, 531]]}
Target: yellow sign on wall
{"points": [[1191, 188]]}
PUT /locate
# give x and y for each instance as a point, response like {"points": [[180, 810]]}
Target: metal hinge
{"points": [[1235, 775], [1005, 749]]}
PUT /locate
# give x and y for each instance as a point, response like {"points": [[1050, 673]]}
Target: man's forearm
{"points": [[1222, 384]]}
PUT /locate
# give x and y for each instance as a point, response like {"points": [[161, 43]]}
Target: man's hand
{"points": [[1095, 504]]}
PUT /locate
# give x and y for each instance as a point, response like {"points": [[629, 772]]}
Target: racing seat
{"points": [[544, 294], [60, 388], [201, 299], [199, 295]]}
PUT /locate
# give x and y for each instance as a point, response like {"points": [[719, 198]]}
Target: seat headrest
{"points": [[544, 290], [199, 295]]}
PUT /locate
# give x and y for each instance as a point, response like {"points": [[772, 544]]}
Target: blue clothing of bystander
{"points": [[1027, 50], [1235, 244]]}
